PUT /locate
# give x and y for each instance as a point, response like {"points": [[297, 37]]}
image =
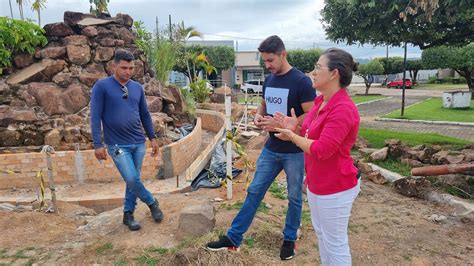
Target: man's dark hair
{"points": [[343, 62], [272, 44], [122, 54]]}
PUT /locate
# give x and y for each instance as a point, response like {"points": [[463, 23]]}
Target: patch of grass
{"points": [[432, 110], [121, 262], [363, 99], [146, 260], [306, 217], [376, 138], [159, 250], [238, 205], [249, 241], [278, 190], [104, 248], [3, 253], [395, 166], [450, 189]]}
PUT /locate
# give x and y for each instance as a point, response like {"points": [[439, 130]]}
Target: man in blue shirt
{"points": [[285, 89], [119, 109]]}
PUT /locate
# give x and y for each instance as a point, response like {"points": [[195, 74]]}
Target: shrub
{"points": [[199, 90], [18, 36]]}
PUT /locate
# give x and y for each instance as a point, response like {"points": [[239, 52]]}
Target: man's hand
{"points": [[288, 122], [258, 120], [101, 154], [154, 148], [269, 124]]}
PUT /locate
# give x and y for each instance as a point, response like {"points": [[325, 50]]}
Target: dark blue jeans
{"points": [[128, 159], [269, 165]]}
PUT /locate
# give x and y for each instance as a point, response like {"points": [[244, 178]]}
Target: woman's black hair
{"points": [[343, 62]]}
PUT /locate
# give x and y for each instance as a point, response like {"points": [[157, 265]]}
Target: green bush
{"points": [[199, 90], [190, 102], [18, 36]]}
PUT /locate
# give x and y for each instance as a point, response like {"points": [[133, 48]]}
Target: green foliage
{"points": [[18, 36], [220, 57], [98, 6], [380, 23], [160, 53], [374, 67], [199, 90], [395, 166], [414, 66], [461, 59], [190, 102], [304, 60], [393, 65]]}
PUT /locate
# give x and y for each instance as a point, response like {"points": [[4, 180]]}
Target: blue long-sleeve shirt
{"points": [[122, 120]]}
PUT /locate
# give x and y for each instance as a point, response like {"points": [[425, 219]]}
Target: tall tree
{"points": [[20, 8], [382, 22], [99, 6], [366, 71], [460, 59], [413, 66], [11, 9], [37, 6], [304, 60]]}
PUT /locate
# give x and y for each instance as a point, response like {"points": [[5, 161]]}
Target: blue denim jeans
{"points": [[128, 159], [269, 165]]}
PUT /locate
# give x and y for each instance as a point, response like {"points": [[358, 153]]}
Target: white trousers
{"points": [[330, 217]]}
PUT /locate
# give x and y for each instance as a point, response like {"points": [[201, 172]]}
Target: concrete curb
{"points": [[466, 124]]}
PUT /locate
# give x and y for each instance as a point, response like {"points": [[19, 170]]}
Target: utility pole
{"points": [[404, 75]]}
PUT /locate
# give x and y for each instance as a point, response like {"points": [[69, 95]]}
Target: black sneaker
{"points": [[287, 251], [222, 244]]}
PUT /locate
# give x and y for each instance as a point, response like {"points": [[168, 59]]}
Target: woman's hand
{"points": [[287, 122], [285, 134]]}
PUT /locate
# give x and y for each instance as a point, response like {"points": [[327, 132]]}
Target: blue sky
{"points": [[246, 21]]}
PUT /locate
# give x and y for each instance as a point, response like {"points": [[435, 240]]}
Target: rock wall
{"points": [[44, 98]]}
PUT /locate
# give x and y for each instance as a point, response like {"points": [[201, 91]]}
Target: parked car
{"points": [[252, 86], [398, 84]]}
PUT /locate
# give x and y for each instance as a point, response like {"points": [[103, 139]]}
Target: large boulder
{"points": [[79, 55], [180, 106], [10, 115], [59, 29], [380, 155], [154, 88], [124, 19], [72, 18], [41, 71], [103, 54], [10, 138], [89, 31], [56, 102], [78, 40], [53, 137], [155, 104], [196, 220], [53, 52], [139, 70], [23, 60]]}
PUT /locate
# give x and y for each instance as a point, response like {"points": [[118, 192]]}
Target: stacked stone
{"points": [[45, 98]]}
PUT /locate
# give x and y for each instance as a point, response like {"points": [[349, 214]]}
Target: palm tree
{"points": [[100, 6], [11, 10], [184, 34], [37, 6], [20, 7]]}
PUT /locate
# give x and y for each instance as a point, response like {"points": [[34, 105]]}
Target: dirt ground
{"points": [[385, 229]]}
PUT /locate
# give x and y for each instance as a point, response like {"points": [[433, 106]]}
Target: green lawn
{"points": [[376, 138], [362, 99], [432, 109], [426, 86]]}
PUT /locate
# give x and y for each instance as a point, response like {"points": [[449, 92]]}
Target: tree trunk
{"points": [[367, 85], [11, 10], [415, 74], [39, 18], [467, 74]]}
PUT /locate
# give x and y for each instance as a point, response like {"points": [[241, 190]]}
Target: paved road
{"points": [[372, 110]]}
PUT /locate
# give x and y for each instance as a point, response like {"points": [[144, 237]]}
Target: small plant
{"points": [[146, 260], [190, 102], [104, 248], [158, 250], [18, 36], [278, 190], [199, 90], [249, 241]]}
